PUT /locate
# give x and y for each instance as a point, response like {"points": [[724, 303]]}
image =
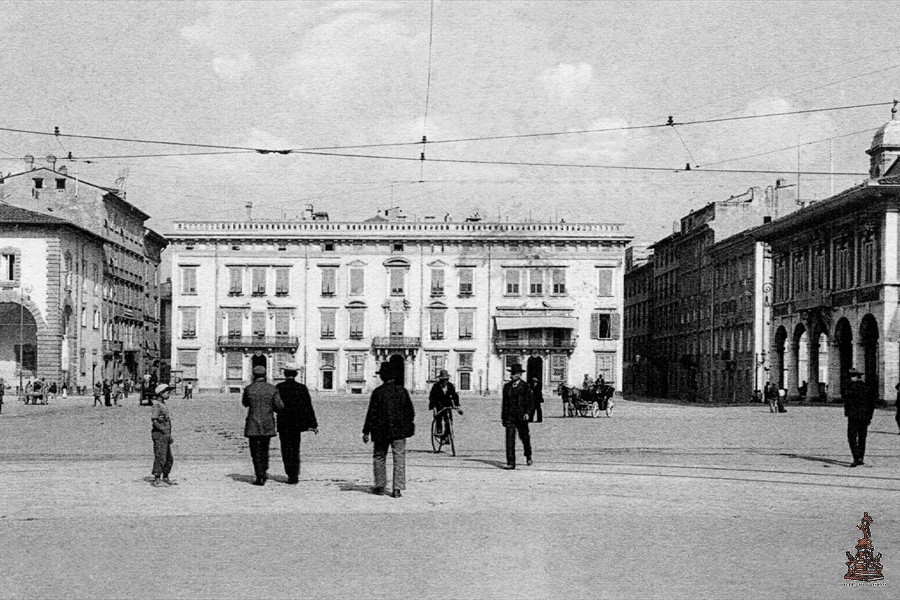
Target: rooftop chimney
{"points": [[29, 160], [51, 160]]}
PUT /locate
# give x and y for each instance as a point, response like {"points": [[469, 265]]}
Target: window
{"points": [[326, 327], [327, 362], [97, 281], [605, 282], [281, 359], [397, 247], [258, 323], [356, 367], [188, 323], [509, 360], [282, 281], [38, 183], [535, 282], [235, 281], [465, 381], [234, 366], [357, 321], [189, 281], [282, 323], [559, 368], [8, 267], [512, 282], [328, 280], [606, 366], [83, 317], [869, 259], [466, 361], [436, 362], [187, 359], [96, 318], [259, 281], [466, 324], [235, 323], [68, 267], [437, 324], [82, 361], [465, 282], [357, 281], [61, 184], [558, 277], [437, 282], [398, 275], [604, 326], [396, 324], [328, 247]]}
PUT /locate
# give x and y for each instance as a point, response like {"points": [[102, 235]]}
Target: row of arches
{"points": [[813, 361]]}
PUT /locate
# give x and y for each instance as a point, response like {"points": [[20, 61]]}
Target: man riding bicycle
{"points": [[443, 395]]}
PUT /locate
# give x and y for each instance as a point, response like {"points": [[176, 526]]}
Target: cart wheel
{"points": [[595, 410], [609, 407], [435, 438]]}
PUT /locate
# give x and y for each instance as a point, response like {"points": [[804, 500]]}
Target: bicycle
{"points": [[438, 440]]}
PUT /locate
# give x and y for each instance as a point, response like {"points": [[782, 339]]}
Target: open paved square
{"points": [[658, 501]]}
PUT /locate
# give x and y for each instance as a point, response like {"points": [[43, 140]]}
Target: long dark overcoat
{"points": [[298, 413], [391, 415], [859, 404], [517, 403], [438, 398], [262, 401]]}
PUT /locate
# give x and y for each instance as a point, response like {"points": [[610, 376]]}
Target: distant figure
{"points": [[897, 416], [443, 395], [859, 406], [161, 433], [296, 417], [803, 388], [117, 392], [514, 414], [3, 387], [52, 390], [262, 401], [98, 391], [38, 390], [390, 419], [126, 387], [29, 392], [588, 382], [107, 393], [537, 398], [188, 390]]}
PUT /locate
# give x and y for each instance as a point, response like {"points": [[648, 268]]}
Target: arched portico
{"points": [[777, 367], [25, 337], [841, 358], [868, 352]]}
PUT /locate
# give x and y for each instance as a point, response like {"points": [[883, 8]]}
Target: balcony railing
{"points": [[528, 344], [263, 341], [812, 299], [396, 342]]}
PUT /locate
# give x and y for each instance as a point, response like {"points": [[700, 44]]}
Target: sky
{"points": [[323, 74]]}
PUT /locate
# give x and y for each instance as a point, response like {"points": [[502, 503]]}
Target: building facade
{"points": [[122, 301], [638, 327], [340, 297], [836, 276]]}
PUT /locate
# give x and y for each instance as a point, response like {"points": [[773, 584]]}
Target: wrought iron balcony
{"points": [[262, 341], [529, 344], [812, 299], [397, 342]]}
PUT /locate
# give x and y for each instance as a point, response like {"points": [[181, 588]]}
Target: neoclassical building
{"points": [[339, 297], [836, 276]]}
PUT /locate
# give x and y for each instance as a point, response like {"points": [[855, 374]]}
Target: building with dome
{"points": [[836, 277]]}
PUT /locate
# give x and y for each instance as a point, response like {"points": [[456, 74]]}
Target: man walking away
{"points": [[296, 417], [389, 420], [859, 406], [443, 395], [262, 401], [2, 392], [98, 390], [537, 398], [161, 433], [517, 406]]}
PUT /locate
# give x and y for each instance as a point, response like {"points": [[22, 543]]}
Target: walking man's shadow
{"points": [[829, 461]]}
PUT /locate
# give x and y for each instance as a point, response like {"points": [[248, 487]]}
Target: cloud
{"points": [[566, 82], [234, 66]]}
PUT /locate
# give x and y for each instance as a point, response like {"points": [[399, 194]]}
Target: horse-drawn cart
{"points": [[583, 402]]}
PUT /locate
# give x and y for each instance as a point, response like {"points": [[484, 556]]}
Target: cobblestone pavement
{"points": [[658, 501]]}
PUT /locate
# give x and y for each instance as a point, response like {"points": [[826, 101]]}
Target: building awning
{"points": [[535, 322]]}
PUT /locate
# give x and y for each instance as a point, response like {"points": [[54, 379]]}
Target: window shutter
{"points": [[595, 325], [614, 326]]}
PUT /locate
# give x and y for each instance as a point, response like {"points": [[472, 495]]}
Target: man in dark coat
{"points": [[161, 434], [263, 401], [389, 420], [443, 395], [298, 416], [537, 398], [859, 406], [517, 406]]}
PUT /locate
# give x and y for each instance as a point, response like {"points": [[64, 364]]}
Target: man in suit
{"points": [[443, 395], [389, 420], [263, 401], [296, 417], [517, 406], [859, 406]]}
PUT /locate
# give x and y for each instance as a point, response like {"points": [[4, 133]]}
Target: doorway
{"points": [[535, 370], [399, 366]]}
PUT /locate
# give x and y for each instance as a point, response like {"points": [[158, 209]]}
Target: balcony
{"points": [[258, 342], [396, 342], [812, 299], [526, 344]]}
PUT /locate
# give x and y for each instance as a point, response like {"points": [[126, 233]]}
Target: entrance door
{"points": [[399, 366], [259, 360], [535, 370]]}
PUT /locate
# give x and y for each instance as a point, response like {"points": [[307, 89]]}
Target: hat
{"points": [[259, 370], [290, 367], [443, 374], [516, 368], [163, 387], [386, 369]]}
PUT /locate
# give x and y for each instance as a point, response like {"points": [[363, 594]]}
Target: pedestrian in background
{"points": [[859, 406], [117, 392], [98, 391], [107, 393], [3, 387], [262, 401], [537, 398], [161, 434], [389, 420], [296, 417], [897, 403], [516, 408]]}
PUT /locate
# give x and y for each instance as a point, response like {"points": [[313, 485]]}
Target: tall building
{"points": [[836, 278], [638, 303], [339, 297], [112, 292]]}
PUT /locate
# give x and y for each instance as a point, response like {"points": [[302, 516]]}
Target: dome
{"points": [[887, 135]]}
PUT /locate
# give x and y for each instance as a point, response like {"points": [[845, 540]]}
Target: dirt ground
{"points": [[658, 501]]}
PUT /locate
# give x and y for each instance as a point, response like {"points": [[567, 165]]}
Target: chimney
{"points": [[29, 160], [51, 160], [62, 170]]}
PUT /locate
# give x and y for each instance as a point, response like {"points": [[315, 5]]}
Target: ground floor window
{"points": [[187, 360], [234, 366], [326, 364], [465, 381], [559, 368], [356, 367], [466, 360], [606, 366], [281, 359], [436, 362]]}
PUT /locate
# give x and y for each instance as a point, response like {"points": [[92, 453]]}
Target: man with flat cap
{"points": [[296, 417], [515, 412], [262, 401], [389, 420], [161, 434], [859, 406]]}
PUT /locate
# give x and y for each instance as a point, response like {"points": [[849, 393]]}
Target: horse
{"points": [[569, 395]]}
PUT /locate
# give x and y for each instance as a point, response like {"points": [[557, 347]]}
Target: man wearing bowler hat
{"points": [[298, 416], [443, 395], [859, 406], [262, 401], [517, 406], [390, 420]]}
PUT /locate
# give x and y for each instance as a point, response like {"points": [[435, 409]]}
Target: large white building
{"points": [[339, 297]]}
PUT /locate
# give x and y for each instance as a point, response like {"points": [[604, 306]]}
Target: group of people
{"points": [[111, 391]]}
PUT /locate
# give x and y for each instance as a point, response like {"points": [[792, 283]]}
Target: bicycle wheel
{"points": [[609, 407], [435, 438], [452, 438]]}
